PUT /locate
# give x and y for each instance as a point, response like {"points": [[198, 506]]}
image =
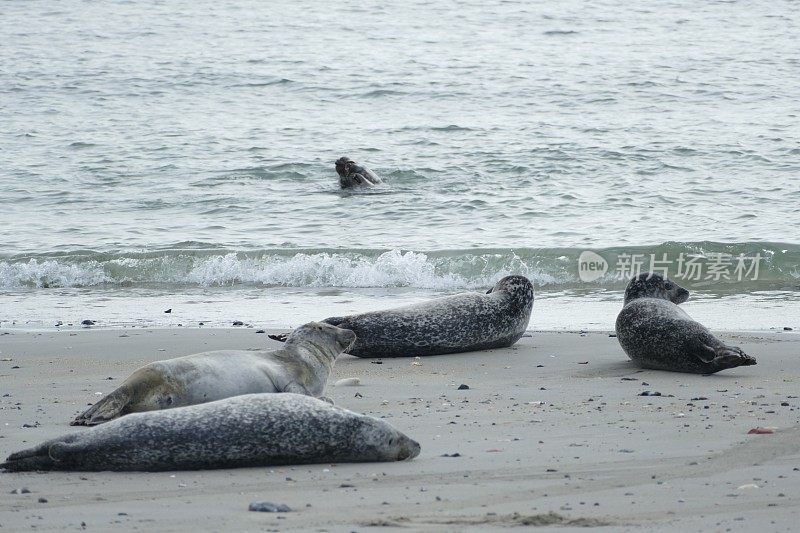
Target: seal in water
{"points": [[302, 366], [460, 323], [249, 430], [656, 333], [351, 174]]}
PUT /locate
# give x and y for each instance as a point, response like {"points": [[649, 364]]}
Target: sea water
{"points": [[179, 155]]}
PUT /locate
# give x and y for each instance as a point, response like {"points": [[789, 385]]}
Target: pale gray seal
{"points": [[302, 366], [351, 174], [249, 430], [461, 323], [656, 333]]}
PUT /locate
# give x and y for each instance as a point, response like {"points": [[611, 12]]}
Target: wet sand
{"points": [[552, 432]]}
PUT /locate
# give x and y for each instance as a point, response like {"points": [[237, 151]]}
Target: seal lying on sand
{"points": [[656, 333], [351, 174], [460, 323], [250, 430], [302, 366]]}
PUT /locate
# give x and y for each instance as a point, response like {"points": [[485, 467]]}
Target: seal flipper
{"points": [[36, 458], [297, 388], [722, 357], [114, 405], [280, 337], [731, 357]]}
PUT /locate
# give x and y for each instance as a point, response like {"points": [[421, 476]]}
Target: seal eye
{"points": [[668, 285]]}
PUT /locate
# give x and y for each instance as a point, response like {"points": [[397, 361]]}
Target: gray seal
{"points": [[461, 323], [249, 430], [656, 333], [302, 366], [351, 174]]}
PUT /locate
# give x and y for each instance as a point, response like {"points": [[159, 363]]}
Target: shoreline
{"points": [[548, 425]]}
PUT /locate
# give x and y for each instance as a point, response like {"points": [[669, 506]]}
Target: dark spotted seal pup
{"points": [[351, 174], [249, 430], [302, 366], [460, 323], [656, 333]]}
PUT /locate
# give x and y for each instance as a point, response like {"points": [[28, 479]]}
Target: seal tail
{"points": [[37, 458]]}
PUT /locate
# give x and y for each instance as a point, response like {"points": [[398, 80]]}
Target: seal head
{"points": [[653, 285], [351, 174]]}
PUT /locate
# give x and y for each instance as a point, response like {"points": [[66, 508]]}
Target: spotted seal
{"points": [[656, 333], [302, 366], [248, 430], [351, 174], [461, 323]]}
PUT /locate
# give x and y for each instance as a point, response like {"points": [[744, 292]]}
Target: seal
{"points": [[657, 334], [301, 366], [351, 174], [461, 323], [248, 430]]}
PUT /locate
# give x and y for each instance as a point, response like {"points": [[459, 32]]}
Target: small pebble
{"points": [[22, 490], [168, 310], [786, 328], [463, 387], [260, 331], [268, 507], [649, 393], [348, 382], [87, 322], [42, 500], [238, 323]]}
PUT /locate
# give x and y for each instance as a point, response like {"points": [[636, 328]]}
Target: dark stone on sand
{"points": [[260, 331], [238, 323], [786, 328], [463, 387], [612, 334], [456, 454], [87, 322], [23, 490], [42, 500], [168, 310], [268, 507], [649, 393]]}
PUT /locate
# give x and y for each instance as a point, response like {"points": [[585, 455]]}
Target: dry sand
{"points": [[552, 433]]}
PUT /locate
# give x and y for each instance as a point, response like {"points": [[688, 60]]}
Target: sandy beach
{"points": [[552, 432]]}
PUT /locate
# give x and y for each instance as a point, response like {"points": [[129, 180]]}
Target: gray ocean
{"points": [[179, 155]]}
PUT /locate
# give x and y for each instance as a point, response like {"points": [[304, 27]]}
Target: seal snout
{"points": [[407, 448], [342, 165], [347, 338], [681, 295]]}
